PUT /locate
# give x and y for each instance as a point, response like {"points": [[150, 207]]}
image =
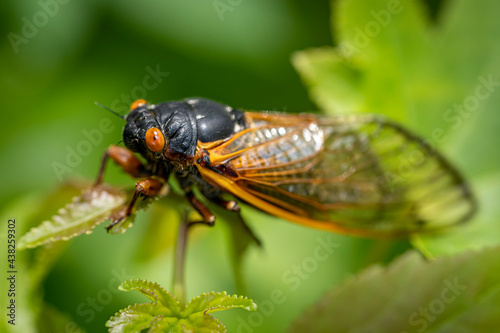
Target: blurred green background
{"points": [[86, 51]]}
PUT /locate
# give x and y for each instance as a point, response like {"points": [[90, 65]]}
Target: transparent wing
{"points": [[352, 174]]}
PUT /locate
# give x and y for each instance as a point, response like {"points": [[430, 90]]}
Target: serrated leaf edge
{"points": [[146, 288], [146, 291], [67, 209], [252, 307]]}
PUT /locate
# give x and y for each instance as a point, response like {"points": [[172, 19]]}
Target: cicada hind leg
{"points": [[187, 179]]}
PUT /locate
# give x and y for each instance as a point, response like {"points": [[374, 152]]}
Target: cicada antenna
{"points": [[108, 109]]}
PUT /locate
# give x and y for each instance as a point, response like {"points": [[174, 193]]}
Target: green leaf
{"points": [[206, 324], [127, 222], [159, 325], [376, 67], [333, 84], [164, 314], [387, 61], [154, 292], [459, 294], [391, 59], [135, 318], [212, 302], [35, 265], [92, 208]]}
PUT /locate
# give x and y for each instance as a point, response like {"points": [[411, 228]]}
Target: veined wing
{"points": [[351, 174]]}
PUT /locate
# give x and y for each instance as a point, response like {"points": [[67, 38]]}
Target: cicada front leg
{"points": [[126, 160], [149, 187]]}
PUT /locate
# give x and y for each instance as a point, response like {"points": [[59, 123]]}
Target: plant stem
{"points": [[178, 288]]}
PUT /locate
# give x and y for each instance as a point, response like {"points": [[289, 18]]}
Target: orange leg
{"points": [[207, 216], [126, 160], [147, 187], [231, 205]]}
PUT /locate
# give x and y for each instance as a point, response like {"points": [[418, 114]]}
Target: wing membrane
{"points": [[355, 174]]}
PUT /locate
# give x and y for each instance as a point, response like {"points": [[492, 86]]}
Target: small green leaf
{"points": [[92, 208], [457, 294], [164, 314], [212, 302], [156, 293], [159, 325], [135, 318], [201, 324]]}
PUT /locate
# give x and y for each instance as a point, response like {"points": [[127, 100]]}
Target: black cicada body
{"points": [[358, 175]]}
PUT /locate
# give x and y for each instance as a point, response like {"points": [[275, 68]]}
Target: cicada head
{"points": [[163, 131]]}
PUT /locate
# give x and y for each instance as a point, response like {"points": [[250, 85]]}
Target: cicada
{"points": [[352, 174]]}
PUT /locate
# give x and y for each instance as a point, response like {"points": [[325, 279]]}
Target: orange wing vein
{"points": [[356, 175]]}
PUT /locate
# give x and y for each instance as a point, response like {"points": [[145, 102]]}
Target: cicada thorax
{"points": [[183, 124]]}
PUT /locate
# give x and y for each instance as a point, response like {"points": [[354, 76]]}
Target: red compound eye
{"points": [[155, 140]]}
